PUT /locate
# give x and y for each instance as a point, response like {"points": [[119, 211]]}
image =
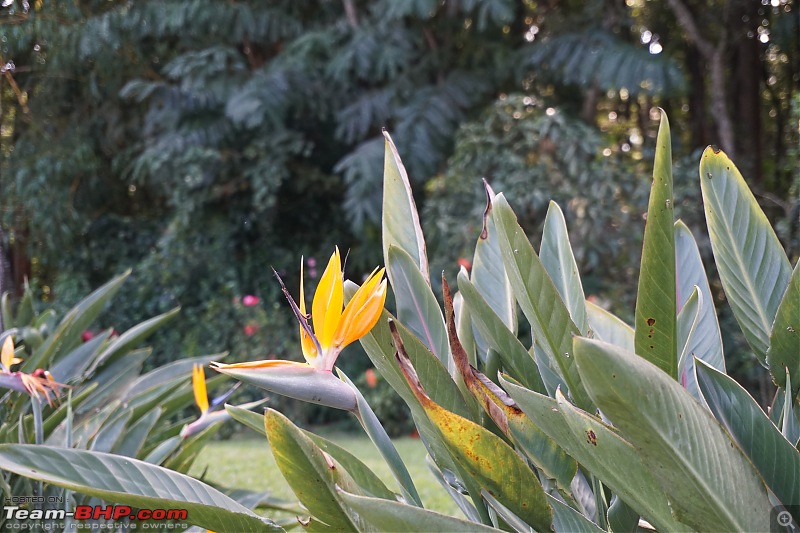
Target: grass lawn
{"points": [[246, 462]]}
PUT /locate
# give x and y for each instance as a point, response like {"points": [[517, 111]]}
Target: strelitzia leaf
{"points": [[131, 482], [417, 308], [688, 319], [600, 449], [557, 258], [776, 458], [711, 484], [131, 338], [488, 274], [499, 338], [385, 515], [791, 422], [502, 410], [312, 474], [606, 326], [401, 226], [377, 434], [537, 296], [706, 343], [655, 336], [784, 343], [79, 318], [363, 476], [751, 262], [486, 457]]}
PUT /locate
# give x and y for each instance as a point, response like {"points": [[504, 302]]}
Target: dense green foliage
{"points": [[201, 142], [591, 425]]}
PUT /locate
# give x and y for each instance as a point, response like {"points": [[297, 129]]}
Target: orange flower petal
{"points": [[7, 354], [306, 342], [363, 310], [326, 309], [199, 386]]}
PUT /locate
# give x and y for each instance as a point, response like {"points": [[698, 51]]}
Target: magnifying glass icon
{"points": [[785, 520]]}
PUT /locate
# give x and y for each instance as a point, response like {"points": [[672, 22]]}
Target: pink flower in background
{"points": [[87, 336], [372, 378], [250, 300], [250, 330], [311, 262]]}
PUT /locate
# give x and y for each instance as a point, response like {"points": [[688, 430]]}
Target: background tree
{"points": [[202, 141]]}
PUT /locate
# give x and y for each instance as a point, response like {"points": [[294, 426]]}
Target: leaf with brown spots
{"points": [[543, 451], [492, 463]]}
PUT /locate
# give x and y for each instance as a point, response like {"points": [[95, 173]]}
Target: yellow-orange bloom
{"points": [[199, 387], [335, 328]]}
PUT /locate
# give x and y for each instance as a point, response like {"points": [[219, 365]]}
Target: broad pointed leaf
{"points": [[488, 274], [131, 482], [600, 449], [655, 300], [513, 354], [752, 265], [776, 458], [385, 515], [311, 473], [710, 482], [417, 308], [606, 326], [537, 296], [688, 320], [706, 344], [401, 226], [784, 342], [559, 261], [486, 457], [67, 334]]}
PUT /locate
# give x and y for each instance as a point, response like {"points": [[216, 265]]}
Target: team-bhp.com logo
{"points": [[95, 512]]}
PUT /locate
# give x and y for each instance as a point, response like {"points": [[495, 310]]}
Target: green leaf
{"points": [[655, 336], [774, 457], [688, 451], [380, 348], [401, 226], [134, 438], [515, 357], [688, 320], [784, 341], [600, 449], [621, 517], [363, 476], [608, 327], [559, 262], [311, 473], [565, 518], [492, 463], [537, 296], [706, 343], [791, 421], [385, 515], [751, 262], [67, 334], [377, 434], [131, 338], [111, 432], [488, 274], [131, 482], [417, 308]]}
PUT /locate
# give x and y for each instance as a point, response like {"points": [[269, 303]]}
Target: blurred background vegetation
{"points": [[203, 141]]}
